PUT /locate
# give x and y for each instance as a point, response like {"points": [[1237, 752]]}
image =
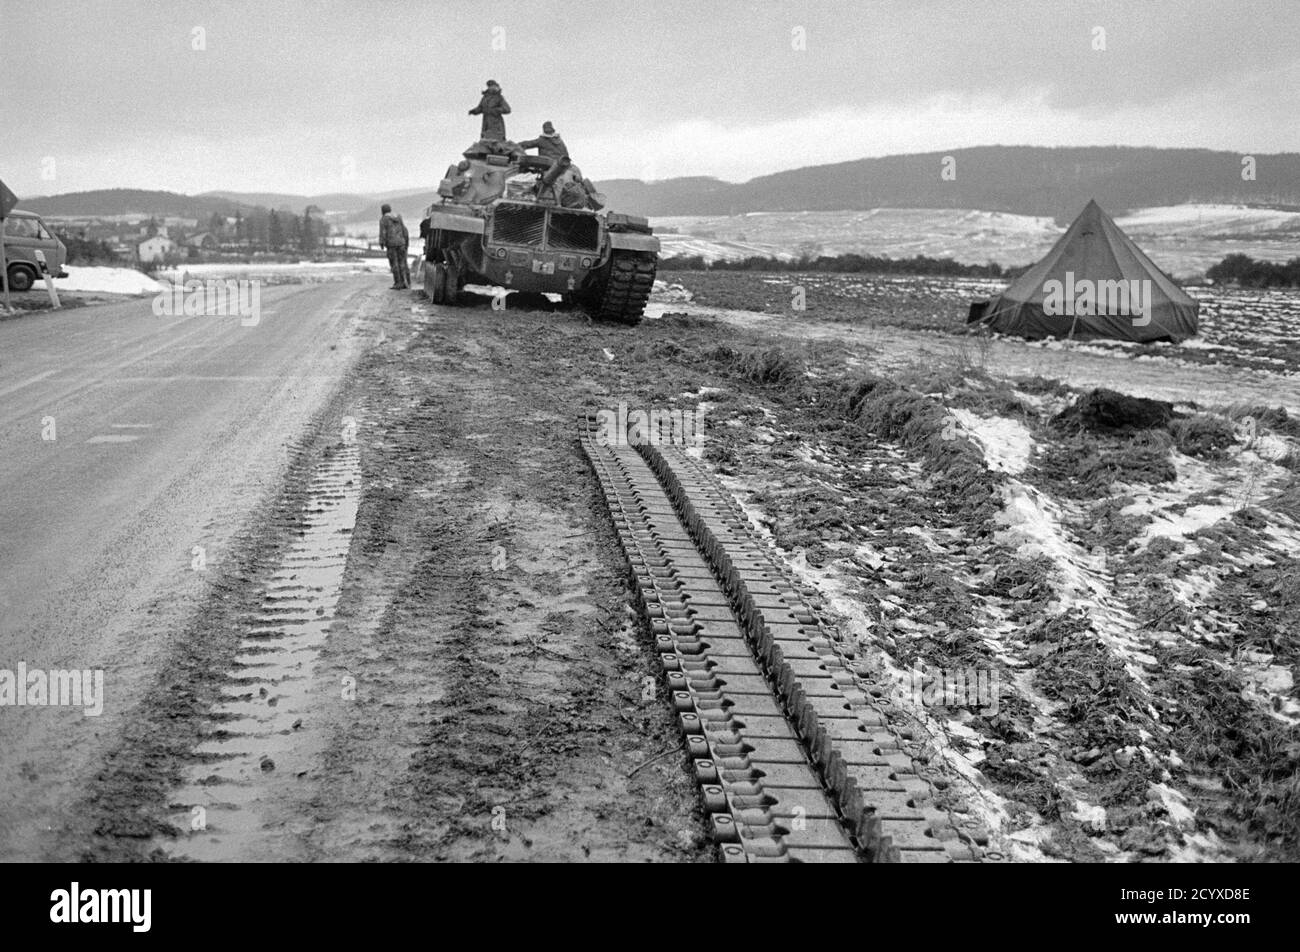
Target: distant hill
{"points": [[647, 198], [410, 205], [1026, 180], [342, 202], [129, 201]]}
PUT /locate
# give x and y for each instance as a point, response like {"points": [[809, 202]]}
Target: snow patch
{"points": [[108, 280], [1007, 443]]}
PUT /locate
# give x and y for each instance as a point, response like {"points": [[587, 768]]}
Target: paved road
{"points": [[125, 441]]}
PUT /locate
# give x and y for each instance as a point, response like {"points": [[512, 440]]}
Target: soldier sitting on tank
{"points": [[548, 145], [492, 107]]}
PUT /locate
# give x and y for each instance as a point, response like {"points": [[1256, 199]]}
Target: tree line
{"points": [[273, 230], [839, 264], [1245, 271], [1236, 269]]}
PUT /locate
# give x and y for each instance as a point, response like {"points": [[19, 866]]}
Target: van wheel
{"points": [[21, 278]]}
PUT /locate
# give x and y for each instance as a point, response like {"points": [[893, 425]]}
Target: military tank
{"points": [[532, 223]]}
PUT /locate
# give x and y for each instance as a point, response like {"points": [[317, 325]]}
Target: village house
{"points": [[204, 241], [154, 249]]}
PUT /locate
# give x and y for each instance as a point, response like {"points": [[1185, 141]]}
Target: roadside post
{"points": [[49, 279], [7, 201]]}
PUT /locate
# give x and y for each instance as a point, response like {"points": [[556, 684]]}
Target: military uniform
{"points": [[395, 240], [549, 146], [492, 107]]}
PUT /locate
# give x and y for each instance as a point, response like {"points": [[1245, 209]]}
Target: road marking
{"points": [[113, 438], [18, 386]]}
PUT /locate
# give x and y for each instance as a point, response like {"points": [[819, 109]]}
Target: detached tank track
{"points": [[624, 296], [798, 758]]}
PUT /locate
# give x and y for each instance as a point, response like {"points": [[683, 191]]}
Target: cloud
{"points": [[284, 95]]}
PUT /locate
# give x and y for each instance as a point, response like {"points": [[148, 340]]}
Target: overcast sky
{"points": [[361, 97]]}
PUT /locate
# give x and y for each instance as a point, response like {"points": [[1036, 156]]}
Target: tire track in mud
{"points": [[125, 815], [230, 804]]}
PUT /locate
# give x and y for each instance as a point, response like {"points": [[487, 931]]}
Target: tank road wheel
{"points": [[433, 281], [451, 283], [627, 287], [440, 283]]}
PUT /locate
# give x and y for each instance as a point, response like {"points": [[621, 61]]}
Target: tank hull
{"points": [[496, 227]]}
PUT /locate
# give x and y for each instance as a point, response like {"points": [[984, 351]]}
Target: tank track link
{"points": [[798, 755]]}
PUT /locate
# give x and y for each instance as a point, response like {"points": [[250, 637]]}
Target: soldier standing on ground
{"points": [[492, 107], [394, 237], [548, 144]]}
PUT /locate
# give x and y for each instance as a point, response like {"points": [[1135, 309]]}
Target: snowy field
{"points": [[1184, 240]]}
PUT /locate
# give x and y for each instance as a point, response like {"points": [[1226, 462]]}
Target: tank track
{"points": [[799, 756], [441, 282], [626, 290]]}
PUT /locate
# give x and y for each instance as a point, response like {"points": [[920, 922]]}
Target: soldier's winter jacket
{"points": [[492, 107], [392, 231], [551, 146]]}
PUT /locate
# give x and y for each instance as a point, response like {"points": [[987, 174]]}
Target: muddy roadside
{"points": [[484, 692], [479, 689]]}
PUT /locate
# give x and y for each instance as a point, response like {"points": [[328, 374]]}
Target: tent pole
{"points": [[1073, 324]]}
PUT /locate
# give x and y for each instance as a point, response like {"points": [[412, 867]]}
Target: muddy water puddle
{"points": [[259, 743]]}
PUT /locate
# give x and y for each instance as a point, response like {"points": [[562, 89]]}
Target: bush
{"points": [[1246, 271], [1084, 465], [1203, 436], [82, 251], [1108, 411], [771, 366], [1270, 418]]}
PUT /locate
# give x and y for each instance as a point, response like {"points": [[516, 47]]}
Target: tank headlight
{"points": [[501, 252], [586, 262]]}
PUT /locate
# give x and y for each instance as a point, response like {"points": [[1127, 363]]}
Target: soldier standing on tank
{"points": [[492, 106], [548, 144], [394, 238]]}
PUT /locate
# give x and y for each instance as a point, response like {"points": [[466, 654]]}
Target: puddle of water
{"points": [[255, 742]]}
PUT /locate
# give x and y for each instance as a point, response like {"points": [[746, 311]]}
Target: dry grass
{"points": [[1203, 435], [1287, 500]]}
